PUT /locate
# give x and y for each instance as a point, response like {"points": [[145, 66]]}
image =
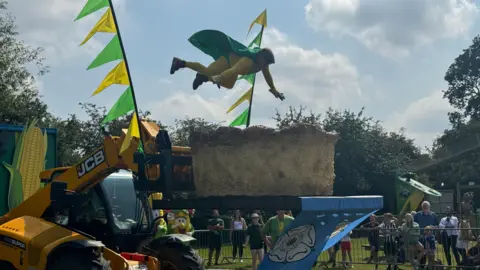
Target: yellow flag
{"points": [[106, 24], [261, 19], [245, 97], [133, 132], [118, 75]]}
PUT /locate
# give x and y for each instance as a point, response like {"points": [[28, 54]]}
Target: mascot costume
{"points": [[161, 229], [179, 222]]}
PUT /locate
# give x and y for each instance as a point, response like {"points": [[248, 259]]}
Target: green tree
{"points": [[91, 135], [463, 78], [20, 100], [183, 128], [366, 155]]}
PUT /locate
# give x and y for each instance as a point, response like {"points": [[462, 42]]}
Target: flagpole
{"points": [[128, 70], [253, 84]]}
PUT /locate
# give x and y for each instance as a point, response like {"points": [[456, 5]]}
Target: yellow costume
{"points": [[179, 222], [231, 60]]}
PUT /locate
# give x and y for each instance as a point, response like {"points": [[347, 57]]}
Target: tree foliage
{"points": [[20, 100], [456, 152], [463, 78], [366, 155]]}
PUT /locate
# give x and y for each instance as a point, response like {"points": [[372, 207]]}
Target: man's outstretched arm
{"points": [[268, 78]]}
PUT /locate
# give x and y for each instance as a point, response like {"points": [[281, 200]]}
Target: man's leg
{"points": [[446, 247], [217, 253], [203, 73], [210, 254], [454, 248]]}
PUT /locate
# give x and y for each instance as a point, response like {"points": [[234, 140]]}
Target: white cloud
{"points": [[392, 28], [423, 119], [306, 77], [50, 24]]}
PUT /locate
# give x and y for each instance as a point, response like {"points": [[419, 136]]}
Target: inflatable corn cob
{"points": [[28, 162]]}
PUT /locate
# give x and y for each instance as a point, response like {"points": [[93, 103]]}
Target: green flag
{"points": [[123, 106], [241, 119], [110, 53], [257, 40], [140, 147], [250, 78], [92, 6]]}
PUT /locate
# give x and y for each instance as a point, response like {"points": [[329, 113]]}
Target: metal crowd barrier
{"points": [[360, 250]]}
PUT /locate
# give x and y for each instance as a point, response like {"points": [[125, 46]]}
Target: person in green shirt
{"points": [[215, 228], [275, 227], [410, 232]]}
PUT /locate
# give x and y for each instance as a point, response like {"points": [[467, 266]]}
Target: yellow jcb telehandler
{"points": [[76, 222]]}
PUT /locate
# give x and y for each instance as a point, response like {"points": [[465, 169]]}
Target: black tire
{"points": [[177, 256], [73, 259], [6, 266]]}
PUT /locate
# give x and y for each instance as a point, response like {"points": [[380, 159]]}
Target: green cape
{"points": [[217, 44]]}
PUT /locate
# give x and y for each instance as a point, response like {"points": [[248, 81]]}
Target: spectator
{"points": [[373, 238], [464, 238], [288, 213], [473, 255], [425, 217], [215, 227], [260, 221], [346, 247], [390, 244], [332, 254], [275, 227], [410, 231], [254, 237], [428, 241], [449, 235], [237, 226]]}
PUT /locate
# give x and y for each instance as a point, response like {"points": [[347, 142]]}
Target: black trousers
{"points": [[238, 239], [450, 242]]}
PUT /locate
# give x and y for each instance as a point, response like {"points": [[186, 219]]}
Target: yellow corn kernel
{"points": [[32, 160]]}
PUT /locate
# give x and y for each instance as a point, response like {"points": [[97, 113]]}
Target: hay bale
{"points": [[261, 161]]}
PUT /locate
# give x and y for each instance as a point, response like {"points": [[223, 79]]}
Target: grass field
{"points": [[359, 256]]}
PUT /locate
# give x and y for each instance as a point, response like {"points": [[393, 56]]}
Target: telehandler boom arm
{"points": [[93, 169]]}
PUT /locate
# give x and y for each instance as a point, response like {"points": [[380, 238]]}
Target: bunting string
{"points": [[120, 74]]}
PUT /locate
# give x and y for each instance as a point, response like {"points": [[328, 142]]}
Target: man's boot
{"points": [[177, 64], [199, 80]]}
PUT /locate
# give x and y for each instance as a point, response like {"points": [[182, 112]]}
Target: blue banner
{"points": [[304, 240]]}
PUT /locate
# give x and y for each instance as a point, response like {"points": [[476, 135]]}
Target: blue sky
{"points": [[387, 56]]}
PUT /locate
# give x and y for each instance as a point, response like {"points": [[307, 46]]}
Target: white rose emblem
{"points": [[294, 245]]}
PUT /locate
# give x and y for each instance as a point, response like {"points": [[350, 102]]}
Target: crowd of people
{"points": [[414, 238], [257, 235]]}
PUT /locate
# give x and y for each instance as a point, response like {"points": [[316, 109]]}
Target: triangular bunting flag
{"points": [[244, 97], [249, 78], [123, 106], [92, 6], [257, 40], [242, 119], [106, 24], [110, 53], [261, 19], [118, 75], [133, 132]]}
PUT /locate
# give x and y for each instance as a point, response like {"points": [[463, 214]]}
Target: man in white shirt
{"points": [[449, 224]]}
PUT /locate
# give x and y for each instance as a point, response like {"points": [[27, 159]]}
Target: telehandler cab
{"points": [[73, 223]]}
